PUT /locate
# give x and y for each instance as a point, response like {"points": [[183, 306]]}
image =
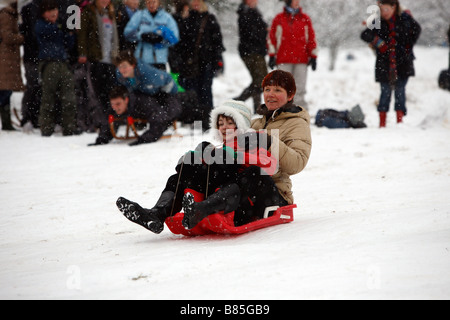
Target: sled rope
{"points": [[178, 185], [207, 188], [207, 181]]}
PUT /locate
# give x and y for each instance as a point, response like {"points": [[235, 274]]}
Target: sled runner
{"points": [[131, 125], [220, 223]]}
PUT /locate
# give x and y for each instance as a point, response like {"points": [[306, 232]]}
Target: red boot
{"points": [[383, 119], [400, 115]]}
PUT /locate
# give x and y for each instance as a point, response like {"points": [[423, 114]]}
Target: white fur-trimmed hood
{"points": [[237, 110]]}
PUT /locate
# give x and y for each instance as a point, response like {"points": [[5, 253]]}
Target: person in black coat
{"points": [[252, 48], [31, 101], [393, 43], [125, 12], [201, 46]]}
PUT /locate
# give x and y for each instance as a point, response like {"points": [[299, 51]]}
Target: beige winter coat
{"points": [[293, 144], [11, 39]]}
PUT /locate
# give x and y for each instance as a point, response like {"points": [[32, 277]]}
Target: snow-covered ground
{"points": [[373, 217]]}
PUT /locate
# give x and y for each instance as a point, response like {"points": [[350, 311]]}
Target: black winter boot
{"points": [[5, 114], [151, 219], [226, 199]]}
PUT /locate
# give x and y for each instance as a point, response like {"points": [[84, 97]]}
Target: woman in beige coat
{"points": [[289, 127], [10, 75]]}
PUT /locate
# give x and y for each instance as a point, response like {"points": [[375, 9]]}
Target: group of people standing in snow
{"points": [[71, 72], [123, 56]]}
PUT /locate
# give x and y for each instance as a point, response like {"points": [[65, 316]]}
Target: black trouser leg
{"points": [[258, 192]]}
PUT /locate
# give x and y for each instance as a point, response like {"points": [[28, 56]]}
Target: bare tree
{"points": [[337, 23]]}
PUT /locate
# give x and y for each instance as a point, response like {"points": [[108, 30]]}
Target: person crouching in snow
{"points": [[139, 106], [208, 170]]}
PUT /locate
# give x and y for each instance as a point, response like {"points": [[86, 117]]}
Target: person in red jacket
{"points": [[292, 46]]}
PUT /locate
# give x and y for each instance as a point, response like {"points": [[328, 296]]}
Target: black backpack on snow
{"points": [[444, 80], [334, 119]]}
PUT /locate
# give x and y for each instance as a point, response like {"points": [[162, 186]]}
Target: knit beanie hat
{"points": [[238, 110]]}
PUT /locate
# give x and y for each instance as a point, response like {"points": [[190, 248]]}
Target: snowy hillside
{"points": [[373, 217]]}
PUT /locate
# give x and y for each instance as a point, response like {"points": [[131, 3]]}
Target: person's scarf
{"points": [[292, 11], [393, 76]]}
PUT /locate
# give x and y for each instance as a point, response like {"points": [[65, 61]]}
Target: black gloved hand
{"points": [[313, 63], [99, 142], [152, 38], [368, 35], [272, 62], [202, 146]]}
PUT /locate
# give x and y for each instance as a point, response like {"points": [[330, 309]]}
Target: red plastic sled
{"points": [[220, 223]]}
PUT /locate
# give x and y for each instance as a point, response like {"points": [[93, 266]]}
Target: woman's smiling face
{"points": [[275, 97]]}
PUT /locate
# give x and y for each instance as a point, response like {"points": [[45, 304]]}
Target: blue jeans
{"points": [[5, 95], [400, 96]]}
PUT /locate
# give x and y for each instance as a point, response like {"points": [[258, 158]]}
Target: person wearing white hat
{"points": [[230, 111], [229, 117], [228, 120]]}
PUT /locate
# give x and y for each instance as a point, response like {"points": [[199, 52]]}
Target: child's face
{"points": [[225, 125], [120, 105], [126, 69], [387, 11], [51, 15]]}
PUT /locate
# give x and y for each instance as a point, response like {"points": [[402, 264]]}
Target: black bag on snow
{"points": [[334, 119], [444, 80]]}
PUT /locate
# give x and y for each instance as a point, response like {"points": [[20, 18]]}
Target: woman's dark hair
{"points": [[281, 79], [392, 3], [119, 92]]}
